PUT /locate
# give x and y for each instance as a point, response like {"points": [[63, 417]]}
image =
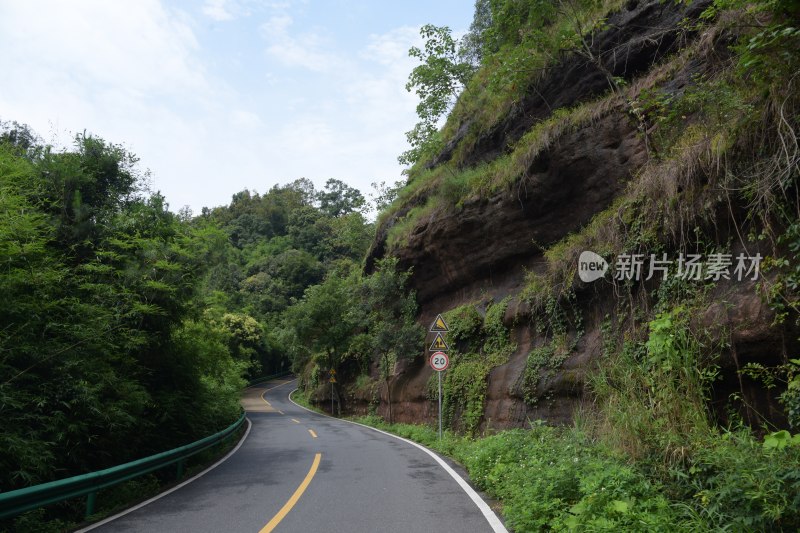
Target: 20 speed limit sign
{"points": [[439, 361]]}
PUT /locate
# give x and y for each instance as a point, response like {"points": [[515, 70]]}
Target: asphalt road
{"points": [[298, 471]]}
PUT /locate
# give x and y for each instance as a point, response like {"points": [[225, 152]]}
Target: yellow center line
{"points": [[269, 389], [312, 433], [264, 399], [295, 497], [296, 421]]}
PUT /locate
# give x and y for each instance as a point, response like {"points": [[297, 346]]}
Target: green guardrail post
{"points": [[91, 499], [181, 465]]}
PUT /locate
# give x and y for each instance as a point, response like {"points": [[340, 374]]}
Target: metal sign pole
{"points": [[439, 361], [440, 405]]}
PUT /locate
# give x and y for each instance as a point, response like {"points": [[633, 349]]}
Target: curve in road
{"points": [[299, 471]]}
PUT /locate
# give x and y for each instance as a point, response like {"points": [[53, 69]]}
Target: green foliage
{"points": [[349, 321], [785, 376], [558, 479], [542, 364], [465, 323], [783, 290], [436, 81], [497, 342], [714, 105], [734, 483], [339, 199], [482, 343], [384, 195], [780, 440], [104, 356], [473, 45], [388, 310], [791, 396], [323, 320], [766, 53], [653, 394], [553, 479]]}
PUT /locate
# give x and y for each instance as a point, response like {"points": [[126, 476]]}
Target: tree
{"points": [[472, 47], [437, 82], [390, 309], [339, 199], [100, 325], [384, 195], [323, 321]]}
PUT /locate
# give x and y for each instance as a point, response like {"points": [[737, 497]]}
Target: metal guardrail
{"points": [[18, 501]]}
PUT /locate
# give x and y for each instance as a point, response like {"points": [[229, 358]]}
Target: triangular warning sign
{"points": [[439, 325], [438, 343]]}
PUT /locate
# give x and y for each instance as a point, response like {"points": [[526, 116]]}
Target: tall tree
{"points": [[437, 82], [339, 199]]}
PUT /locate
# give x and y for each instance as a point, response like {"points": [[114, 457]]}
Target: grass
{"points": [[300, 397], [563, 479], [550, 478], [685, 152], [446, 189]]}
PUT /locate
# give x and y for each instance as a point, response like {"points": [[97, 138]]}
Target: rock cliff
{"points": [[595, 181]]}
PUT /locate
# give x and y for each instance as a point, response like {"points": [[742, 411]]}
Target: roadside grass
{"points": [[300, 397], [552, 478], [563, 479]]}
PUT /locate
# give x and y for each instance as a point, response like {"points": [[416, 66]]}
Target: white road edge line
{"points": [[491, 517], [173, 489]]}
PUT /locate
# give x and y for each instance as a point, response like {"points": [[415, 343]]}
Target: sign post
{"points": [[332, 380], [439, 360]]}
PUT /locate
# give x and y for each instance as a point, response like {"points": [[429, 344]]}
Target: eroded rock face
{"points": [[482, 251], [566, 186], [636, 38]]}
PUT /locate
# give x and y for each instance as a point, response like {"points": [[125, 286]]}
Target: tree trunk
{"points": [[389, 396]]}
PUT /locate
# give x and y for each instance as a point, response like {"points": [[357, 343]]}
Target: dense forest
{"points": [[128, 329]]}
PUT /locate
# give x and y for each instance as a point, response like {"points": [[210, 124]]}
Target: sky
{"points": [[218, 96]]}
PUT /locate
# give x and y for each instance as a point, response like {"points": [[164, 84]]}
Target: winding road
{"points": [[299, 471]]}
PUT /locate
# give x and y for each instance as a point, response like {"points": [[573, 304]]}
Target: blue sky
{"points": [[216, 96]]}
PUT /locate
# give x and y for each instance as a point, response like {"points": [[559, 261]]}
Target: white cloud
{"points": [[392, 48], [141, 73], [306, 50], [218, 10], [137, 45]]}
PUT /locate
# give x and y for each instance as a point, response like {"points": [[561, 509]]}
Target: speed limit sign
{"points": [[439, 361]]}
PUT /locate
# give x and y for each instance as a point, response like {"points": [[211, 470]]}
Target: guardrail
{"points": [[18, 501]]}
